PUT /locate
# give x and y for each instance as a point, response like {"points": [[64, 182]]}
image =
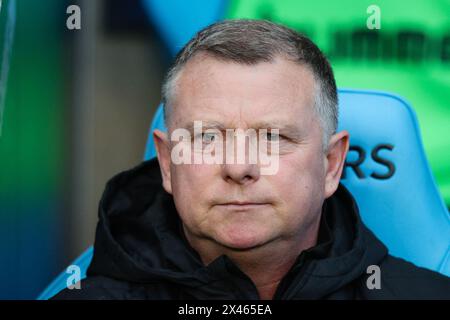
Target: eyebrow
{"points": [[293, 131], [206, 124]]}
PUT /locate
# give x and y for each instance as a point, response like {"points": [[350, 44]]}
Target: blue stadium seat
{"points": [[388, 174]]}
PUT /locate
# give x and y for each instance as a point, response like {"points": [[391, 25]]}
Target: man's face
{"points": [[266, 208]]}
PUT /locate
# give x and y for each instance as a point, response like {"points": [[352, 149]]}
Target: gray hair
{"points": [[252, 41]]}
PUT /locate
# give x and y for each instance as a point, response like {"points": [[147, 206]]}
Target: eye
{"points": [[272, 136], [209, 137]]}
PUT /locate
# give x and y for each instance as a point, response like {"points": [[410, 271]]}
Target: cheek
{"points": [[191, 185], [300, 183]]}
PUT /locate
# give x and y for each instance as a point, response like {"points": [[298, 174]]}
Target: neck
{"points": [[266, 265]]}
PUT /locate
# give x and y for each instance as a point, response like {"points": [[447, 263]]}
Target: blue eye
{"points": [[208, 137], [271, 136]]}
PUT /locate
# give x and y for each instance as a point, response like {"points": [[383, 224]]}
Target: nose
{"points": [[242, 174], [240, 168]]}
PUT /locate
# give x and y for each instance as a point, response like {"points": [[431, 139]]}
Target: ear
{"points": [[163, 151], [335, 160]]}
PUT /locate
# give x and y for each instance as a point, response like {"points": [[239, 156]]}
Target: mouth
{"points": [[242, 205]]}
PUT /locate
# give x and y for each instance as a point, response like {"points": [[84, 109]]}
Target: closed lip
{"points": [[242, 203]]}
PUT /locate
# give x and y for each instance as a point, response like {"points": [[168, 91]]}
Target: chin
{"points": [[241, 238]]}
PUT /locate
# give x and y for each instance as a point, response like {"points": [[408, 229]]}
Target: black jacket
{"points": [[140, 253]]}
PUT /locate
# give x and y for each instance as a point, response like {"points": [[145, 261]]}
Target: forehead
{"points": [[279, 92]]}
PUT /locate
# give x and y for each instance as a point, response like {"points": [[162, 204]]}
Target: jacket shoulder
{"points": [[96, 288], [105, 288], [401, 279]]}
